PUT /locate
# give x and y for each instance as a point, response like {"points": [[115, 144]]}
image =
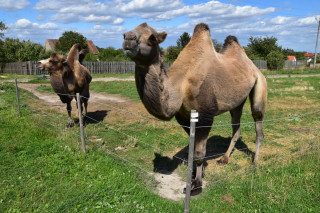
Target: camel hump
{"points": [[228, 41], [200, 28]]}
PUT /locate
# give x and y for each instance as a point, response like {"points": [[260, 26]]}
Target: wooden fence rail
{"points": [[29, 67]]}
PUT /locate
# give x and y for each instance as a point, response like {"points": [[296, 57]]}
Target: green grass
{"points": [[45, 88], [124, 88], [291, 71], [42, 168]]}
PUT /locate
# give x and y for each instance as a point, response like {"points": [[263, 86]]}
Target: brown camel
{"points": [[68, 77], [200, 79]]}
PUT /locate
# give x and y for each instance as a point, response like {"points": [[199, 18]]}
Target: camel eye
{"points": [[124, 36]]}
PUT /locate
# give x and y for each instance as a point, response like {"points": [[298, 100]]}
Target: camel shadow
{"points": [[216, 147], [95, 117]]}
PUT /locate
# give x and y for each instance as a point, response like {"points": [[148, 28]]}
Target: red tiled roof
{"points": [[50, 44], [308, 54], [92, 48], [291, 57]]}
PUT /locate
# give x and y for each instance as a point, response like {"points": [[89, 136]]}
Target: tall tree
{"points": [[70, 38], [3, 27], [262, 46], [183, 40]]}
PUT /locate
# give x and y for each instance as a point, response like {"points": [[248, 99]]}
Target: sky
{"points": [[292, 22]]}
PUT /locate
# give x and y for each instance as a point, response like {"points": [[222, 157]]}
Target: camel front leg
{"points": [[199, 158], [69, 108], [85, 104]]}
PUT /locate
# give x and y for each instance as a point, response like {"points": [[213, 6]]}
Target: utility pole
{"points": [[315, 52]]}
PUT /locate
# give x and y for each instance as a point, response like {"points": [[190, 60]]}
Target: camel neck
{"points": [[151, 82]]}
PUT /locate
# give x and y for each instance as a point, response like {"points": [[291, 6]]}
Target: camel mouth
{"points": [[131, 53]]}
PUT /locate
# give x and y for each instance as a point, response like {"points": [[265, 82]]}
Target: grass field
{"points": [[44, 170]]}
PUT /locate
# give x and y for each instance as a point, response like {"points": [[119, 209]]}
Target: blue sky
{"points": [[292, 21]]}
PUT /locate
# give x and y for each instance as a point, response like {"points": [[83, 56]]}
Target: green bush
{"points": [[275, 60]]}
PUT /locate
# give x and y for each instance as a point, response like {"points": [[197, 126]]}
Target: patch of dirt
{"points": [[107, 79], [170, 185]]}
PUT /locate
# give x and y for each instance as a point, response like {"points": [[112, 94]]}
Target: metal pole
{"points": [[81, 124], [193, 120], [315, 52], [17, 94]]}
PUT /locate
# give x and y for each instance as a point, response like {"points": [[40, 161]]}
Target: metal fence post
{"points": [[17, 94], [81, 123], [193, 120]]}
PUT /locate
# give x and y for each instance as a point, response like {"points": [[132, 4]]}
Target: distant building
{"points": [[51, 43], [92, 48], [291, 58], [308, 55]]}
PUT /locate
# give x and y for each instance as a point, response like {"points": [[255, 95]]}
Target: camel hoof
{"points": [[223, 160], [76, 120], [70, 125], [194, 192]]}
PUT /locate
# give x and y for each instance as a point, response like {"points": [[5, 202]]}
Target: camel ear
{"points": [[161, 37]]}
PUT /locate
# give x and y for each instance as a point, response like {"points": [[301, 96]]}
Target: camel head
{"points": [[142, 43], [56, 63]]}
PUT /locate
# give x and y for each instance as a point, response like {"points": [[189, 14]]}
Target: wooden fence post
{"points": [[81, 123], [193, 120], [17, 94]]}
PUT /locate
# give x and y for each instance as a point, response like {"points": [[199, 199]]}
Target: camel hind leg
{"points": [[236, 131], [258, 100]]}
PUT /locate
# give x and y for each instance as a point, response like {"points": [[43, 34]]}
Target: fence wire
{"points": [[57, 119]]}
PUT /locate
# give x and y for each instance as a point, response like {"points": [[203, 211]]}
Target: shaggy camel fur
{"points": [[68, 77], [201, 79]]}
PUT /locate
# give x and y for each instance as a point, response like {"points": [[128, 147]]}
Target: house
{"points": [[308, 55], [291, 58], [92, 48], [51, 43]]}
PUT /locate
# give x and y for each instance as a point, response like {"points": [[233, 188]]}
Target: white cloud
{"points": [[23, 23], [150, 6], [24, 29], [281, 20], [65, 18], [215, 10], [13, 5], [56, 5]]}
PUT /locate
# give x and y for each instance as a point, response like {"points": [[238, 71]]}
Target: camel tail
{"points": [[200, 28]]}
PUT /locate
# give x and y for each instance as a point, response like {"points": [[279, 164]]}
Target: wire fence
{"points": [[58, 124]]}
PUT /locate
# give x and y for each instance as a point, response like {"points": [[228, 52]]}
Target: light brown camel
{"points": [[68, 77], [201, 79]]}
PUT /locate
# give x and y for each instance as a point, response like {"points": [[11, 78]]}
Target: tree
{"points": [[3, 27], [70, 38], [111, 54], [16, 50], [172, 53], [275, 60], [183, 40], [261, 47], [217, 45]]}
